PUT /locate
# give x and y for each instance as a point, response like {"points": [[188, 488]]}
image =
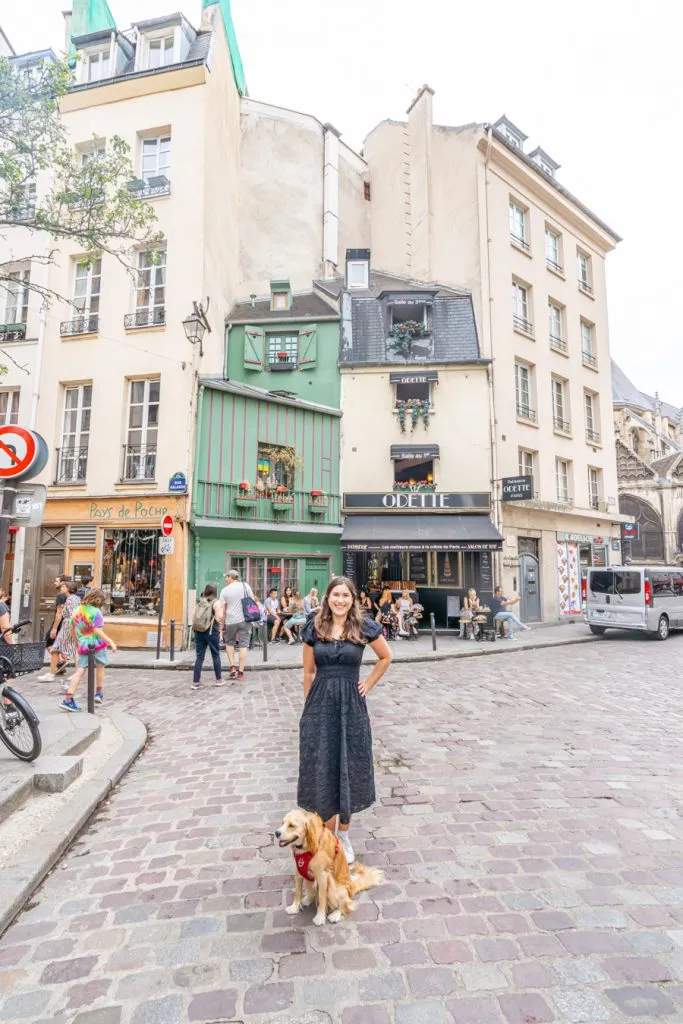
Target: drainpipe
{"points": [[496, 502]]}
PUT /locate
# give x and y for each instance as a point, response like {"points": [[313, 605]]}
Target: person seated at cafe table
{"points": [[402, 607], [471, 606], [500, 607]]}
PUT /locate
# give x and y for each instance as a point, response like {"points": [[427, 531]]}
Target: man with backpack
{"points": [[240, 610], [206, 623]]}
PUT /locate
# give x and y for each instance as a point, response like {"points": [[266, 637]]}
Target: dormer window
{"points": [[160, 51], [514, 135], [358, 268], [96, 65], [280, 295], [545, 162]]}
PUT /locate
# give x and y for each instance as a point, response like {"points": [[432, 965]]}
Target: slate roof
{"points": [[263, 395], [626, 393], [364, 332], [668, 465], [305, 306]]}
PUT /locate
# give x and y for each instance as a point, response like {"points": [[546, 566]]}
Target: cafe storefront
{"points": [[576, 554], [116, 540], [435, 544]]}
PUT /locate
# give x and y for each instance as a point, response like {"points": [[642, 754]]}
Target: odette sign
{"points": [[419, 501]]}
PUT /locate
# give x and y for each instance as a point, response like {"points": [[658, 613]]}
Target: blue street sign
{"points": [[178, 484]]}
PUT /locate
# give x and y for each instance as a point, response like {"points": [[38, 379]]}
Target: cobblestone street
{"points": [[528, 821]]}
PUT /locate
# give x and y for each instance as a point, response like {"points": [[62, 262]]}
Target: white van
{"points": [[648, 599]]}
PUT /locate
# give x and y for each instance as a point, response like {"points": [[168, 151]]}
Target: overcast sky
{"points": [[592, 81]]}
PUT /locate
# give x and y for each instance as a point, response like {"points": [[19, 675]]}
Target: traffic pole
{"points": [[172, 643], [162, 582], [91, 681], [432, 626], [9, 493]]}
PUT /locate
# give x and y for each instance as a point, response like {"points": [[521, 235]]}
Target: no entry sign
{"points": [[167, 525], [22, 452]]}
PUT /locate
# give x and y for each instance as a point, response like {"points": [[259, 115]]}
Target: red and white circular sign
{"points": [[18, 451], [167, 525]]}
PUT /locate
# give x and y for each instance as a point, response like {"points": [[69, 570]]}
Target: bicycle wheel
{"points": [[19, 726]]}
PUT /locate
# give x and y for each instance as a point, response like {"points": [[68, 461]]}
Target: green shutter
{"points": [[308, 344], [254, 340]]}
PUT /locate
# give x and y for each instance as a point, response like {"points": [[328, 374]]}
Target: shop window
{"points": [[276, 466], [414, 390], [290, 573], [256, 576], [411, 473], [239, 565], [447, 569], [131, 572]]}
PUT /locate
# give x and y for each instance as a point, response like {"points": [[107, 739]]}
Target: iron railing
{"points": [[282, 364], [525, 412], [585, 286], [552, 265], [592, 435], [72, 464], [594, 502], [145, 317], [562, 425], [151, 188], [557, 343], [518, 240], [588, 359], [12, 332], [229, 501], [522, 325], [88, 324], [139, 462]]}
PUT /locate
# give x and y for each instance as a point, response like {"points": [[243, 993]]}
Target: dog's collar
{"points": [[303, 860]]}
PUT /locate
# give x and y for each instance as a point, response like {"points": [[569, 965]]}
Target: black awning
{"points": [[420, 533], [414, 451]]}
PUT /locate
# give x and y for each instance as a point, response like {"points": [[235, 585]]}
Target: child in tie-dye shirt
{"points": [[86, 629]]}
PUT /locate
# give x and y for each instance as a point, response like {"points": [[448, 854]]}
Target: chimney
{"points": [[419, 182], [330, 200], [358, 268], [67, 15]]}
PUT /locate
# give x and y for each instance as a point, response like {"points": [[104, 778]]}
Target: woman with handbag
{"points": [[206, 623]]}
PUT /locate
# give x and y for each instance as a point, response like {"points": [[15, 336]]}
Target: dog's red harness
{"points": [[303, 860]]}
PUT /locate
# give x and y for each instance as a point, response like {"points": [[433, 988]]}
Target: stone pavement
{"points": [[528, 821]]}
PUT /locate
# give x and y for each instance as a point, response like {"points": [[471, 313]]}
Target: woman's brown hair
{"points": [[95, 597], [353, 627]]}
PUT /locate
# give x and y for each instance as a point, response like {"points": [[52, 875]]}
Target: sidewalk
{"points": [[448, 645]]}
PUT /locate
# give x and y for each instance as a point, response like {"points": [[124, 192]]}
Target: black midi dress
{"points": [[336, 770]]}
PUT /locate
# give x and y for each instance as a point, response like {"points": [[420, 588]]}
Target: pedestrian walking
{"points": [[86, 585], [336, 769], [65, 644], [206, 623], [57, 662], [500, 607], [237, 628], [86, 625]]}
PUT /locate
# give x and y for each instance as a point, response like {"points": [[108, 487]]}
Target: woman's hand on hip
{"points": [[363, 688]]}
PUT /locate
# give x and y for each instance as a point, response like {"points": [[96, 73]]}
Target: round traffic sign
{"points": [[167, 525], [19, 450]]}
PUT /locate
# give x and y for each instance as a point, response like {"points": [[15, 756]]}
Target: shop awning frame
{"points": [[420, 533], [414, 451]]}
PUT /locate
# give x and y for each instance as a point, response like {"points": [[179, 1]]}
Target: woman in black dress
{"points": [[336, 770]]}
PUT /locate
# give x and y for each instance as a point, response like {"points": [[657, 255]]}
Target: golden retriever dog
{"points": [[320, 863]]}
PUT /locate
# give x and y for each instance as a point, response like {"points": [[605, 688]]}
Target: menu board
{"points": [[447, 566], [485, 571], [418, 568], [350, 565]]}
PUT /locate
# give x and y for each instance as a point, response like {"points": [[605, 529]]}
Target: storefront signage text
{"points": [[580, 538], [140, 510], [414, 378], [465, 545], [518, 488], [417, 501]]}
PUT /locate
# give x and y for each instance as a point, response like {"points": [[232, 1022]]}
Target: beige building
{"points": [[468, 207], [649, 442]]}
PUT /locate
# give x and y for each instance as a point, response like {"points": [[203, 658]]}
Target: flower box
{"points": [[283, 502], [246, 501]]}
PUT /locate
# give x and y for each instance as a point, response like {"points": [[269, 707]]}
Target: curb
{"points": [[19, 882]]}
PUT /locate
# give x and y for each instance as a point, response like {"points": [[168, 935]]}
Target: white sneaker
{"points": [[346, 847], [47, 677]]}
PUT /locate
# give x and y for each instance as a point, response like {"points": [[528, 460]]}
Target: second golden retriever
{"points": [[320, 862]]}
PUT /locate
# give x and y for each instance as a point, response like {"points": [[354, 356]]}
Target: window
{"points": [[357, 274], [518, 225], [150, 292], [627, 582], [21, 204], [92, 153], [156, 157], [587, 344], [590, 410], [520, 308], [417, 390], [413, 473], [131, 572], [562, 480], [526, 462], [9, 406], [583, 264], [16, 305], [280, 300], [283, 350], [276, 466], [553, 254], [72, 457], [140, 451], [96, 66], [86, 299], [366, 191], [523, 391], [560, 405], [160, 52], [593, 487], [555, 327]]}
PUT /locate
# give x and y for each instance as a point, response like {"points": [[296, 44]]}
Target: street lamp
{"points": [[196, 325]]}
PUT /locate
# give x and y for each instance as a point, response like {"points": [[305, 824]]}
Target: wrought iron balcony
{"points": [[522, 324], [595, 503], [588, 359], [585, 286], [519, 241], [20, 215], [145, 318], [89, 324], [524, 412], [592, 435], [72, 464], [278, 365], [552, 265], [12, 332], [150, 188], [230, 501], [139, 462], [564, 426], [557, 343]]}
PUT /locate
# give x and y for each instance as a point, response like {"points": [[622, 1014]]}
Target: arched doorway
{"points": [[650, 545]]}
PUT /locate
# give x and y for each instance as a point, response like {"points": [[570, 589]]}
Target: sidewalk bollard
{"points": [[433, 629], [265, 642], [172, 639], [91, 682], [41, 629]]}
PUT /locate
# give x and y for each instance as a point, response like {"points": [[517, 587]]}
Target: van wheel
{"points": [[662, 628], [597, 630]]}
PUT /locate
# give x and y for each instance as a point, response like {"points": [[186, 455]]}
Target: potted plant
{"points": [[402, 335], [281, 499], [246, 495], [282, 356], [415, 409], [317, 503]]}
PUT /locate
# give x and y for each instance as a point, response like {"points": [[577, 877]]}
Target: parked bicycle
{"points": [[18, 721]]}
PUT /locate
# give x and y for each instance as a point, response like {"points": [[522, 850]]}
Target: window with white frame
{"points": [[583, 269], [518, 225], [526, 460], [140, 452], [357, 274], [73, 454], [96, 65], [9, 406], [87, 284], [282, 349], [16, 298], [523, 391], [521, 307], [587, 344], [594, 487], [560, 405], [150, 291], [591, 416], [160, 51], [553, 253], [92, 153], [562, 480], [21, 203], [156, 157], [555, 330]]}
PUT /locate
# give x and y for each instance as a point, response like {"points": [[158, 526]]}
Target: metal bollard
{"points": [[91, 682], [41, 629], [433, 629], [265, 642], [172, 639]]}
